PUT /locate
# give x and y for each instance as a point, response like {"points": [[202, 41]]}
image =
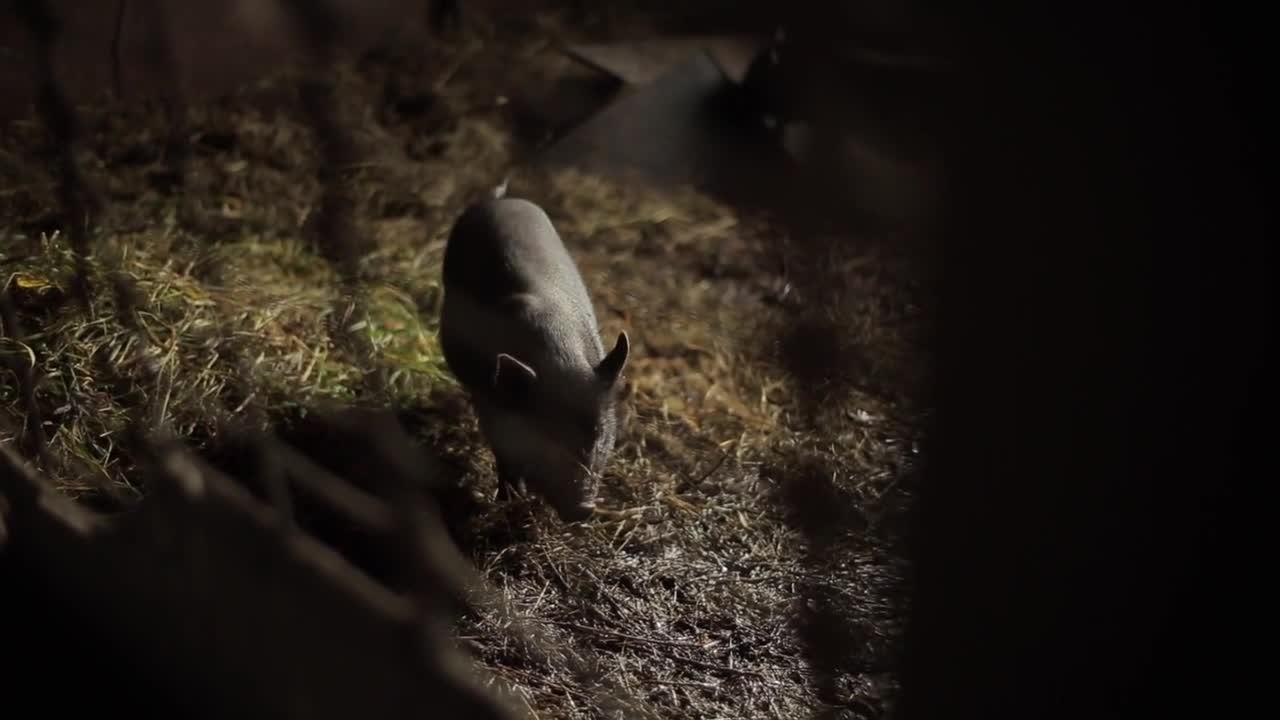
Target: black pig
{"points": [[519, 332]]}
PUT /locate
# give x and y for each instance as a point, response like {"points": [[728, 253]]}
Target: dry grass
{"points": [[684, 595]]}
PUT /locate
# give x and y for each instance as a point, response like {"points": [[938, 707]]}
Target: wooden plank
{"points": [[217, 599], [642, 62], [682, 129]]}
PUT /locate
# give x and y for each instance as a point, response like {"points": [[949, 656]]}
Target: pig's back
{"points": [[511, 286], [509, 246]]}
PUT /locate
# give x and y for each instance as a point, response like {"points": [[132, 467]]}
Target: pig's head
{"points": [[556, 427]]}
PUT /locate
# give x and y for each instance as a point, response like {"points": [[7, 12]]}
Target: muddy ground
{"points": [[688, 594]]}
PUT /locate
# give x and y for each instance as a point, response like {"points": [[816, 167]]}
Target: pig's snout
{"points": [[576, 512], [571, 505]]}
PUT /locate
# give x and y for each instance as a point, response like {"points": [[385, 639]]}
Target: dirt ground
{"points": [[687, 594]]}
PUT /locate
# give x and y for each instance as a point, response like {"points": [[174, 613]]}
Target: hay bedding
{"points": [[685, 597]]}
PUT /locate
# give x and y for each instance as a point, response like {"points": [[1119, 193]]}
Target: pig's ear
{"points": [[512, 378], [611, 366]]}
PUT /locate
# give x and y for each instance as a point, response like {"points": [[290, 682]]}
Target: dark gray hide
{"points": [[519, 332]]}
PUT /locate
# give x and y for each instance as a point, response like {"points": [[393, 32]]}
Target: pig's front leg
{"points": [[509, 483]]}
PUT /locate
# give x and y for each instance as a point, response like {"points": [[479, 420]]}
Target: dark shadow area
{"points": [[47, 640], [1104, 337]]}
